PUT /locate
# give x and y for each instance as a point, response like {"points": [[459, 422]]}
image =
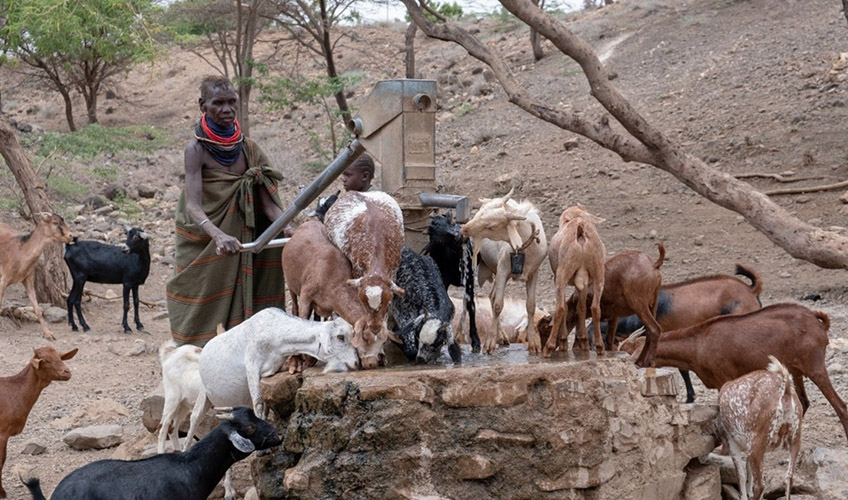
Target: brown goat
{"points": [[20, 252], [726, 347], [631, 284], [318, 276], [577, 254], [20, 392], [759, 412], [368, 229]]}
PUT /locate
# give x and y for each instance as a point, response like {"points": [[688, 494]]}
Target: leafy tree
{"points": [[77, 44], [231, 30], [311, 24]]}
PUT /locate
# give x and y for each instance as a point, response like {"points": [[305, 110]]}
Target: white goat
{"points": [[181, 381], [513, 319], [759, 412], [503, 226], [232, 363]]}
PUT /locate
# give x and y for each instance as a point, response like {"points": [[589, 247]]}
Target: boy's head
{"points": [[358, 176]]}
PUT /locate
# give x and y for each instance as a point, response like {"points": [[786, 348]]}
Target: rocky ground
{"points": [[748, 86]]}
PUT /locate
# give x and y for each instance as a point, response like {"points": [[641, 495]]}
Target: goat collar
{"points": [[534, 237]]}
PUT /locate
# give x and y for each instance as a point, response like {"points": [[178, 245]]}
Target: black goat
{"points": [[128, 264], [452, 253], [191, 475], [324, 204], [423, 314]]}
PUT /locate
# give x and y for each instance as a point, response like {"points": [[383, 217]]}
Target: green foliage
{"points": [[450, 10], [92, 140], [190, 21], [127, 205], [465, 109], [77, 31], [66, 187]]}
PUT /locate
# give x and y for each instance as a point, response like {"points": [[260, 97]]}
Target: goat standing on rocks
{"points": [[128, 264], [19, 393], [500, 228], [368, 229], [423, 314], [20, 252], [759, 412], [577, 258]]}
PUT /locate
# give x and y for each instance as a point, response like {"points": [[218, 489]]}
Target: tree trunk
{"points": [[50, 275], [69, 109], [409, 46], [535, 41], [327, 49], [642, 142], [90, 97]]}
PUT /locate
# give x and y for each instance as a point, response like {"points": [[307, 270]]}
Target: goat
{"points": [[20, 252], [324, 204], [502, 227], [20, 392], [759, 412], [181, 381], [452, 253], [97, 262], [368, 229], [423, 314], [577, 258], [694, 301], [513, 320], [724, 348], [631, 285], [191, 475], [318, 276]]}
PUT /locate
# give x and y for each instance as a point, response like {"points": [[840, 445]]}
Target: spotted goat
{"points": [[368, 229]]}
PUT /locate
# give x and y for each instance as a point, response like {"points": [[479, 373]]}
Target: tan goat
{"points": [[577, 258], [513, 320], [503, 226], [20, 252], [759, 412]]}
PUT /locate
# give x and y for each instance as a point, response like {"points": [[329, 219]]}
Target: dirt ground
{"points": [[747, 85]]}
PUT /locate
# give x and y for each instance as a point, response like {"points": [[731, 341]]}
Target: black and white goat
{"points": [[423, 314], [452, 253], [191, 475], [128, 264]]}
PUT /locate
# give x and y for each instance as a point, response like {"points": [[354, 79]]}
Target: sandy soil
{"points": [[747, 86]]}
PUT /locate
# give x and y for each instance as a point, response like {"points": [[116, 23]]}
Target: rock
{"points": [[95, 201], [830, 473], [570, 144], [702, 482], [110, 294], [657, 381], [162, 315], [133, 448], [784, 274], [802, 199], [55, 314], [104, 210], [138, 348], [395, 433], [102, 410], [844, 197], [474, 467], [97, 437], [113, 191], [145, 191], [33, 448], [474, 150], [699, 240]]}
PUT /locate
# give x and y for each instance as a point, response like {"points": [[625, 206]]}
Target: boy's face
{"points": [[356, 179]]}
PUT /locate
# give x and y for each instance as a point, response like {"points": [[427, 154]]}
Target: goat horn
{"points": [[633, 336], [223, 408], [508, 195]]}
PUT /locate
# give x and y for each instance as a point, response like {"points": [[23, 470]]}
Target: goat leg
{"points": [[126, 309], [138, 325], [690, 389], [29, 284], [822, 381], [3, 441]]}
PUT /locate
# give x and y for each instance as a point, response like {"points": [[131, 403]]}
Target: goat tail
{"points": [[165, 350], [824, 318], [32, 483], [658, 264], [756, 283], [775, 366]]}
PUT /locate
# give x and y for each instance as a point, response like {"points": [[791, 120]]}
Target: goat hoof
{"points": [[74, 328], [127, 330], [85, 329]]}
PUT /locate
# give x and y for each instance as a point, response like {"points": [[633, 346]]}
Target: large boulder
{"points": [[503, 429]]}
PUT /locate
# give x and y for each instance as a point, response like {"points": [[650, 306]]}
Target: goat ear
{"points": [[594, 218], [354, 282], [484, 200], [35, 362], [241, 443], [514, 216], [45, 216], [394, 338], [397, 290], [143, 235], [70, 354]]}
